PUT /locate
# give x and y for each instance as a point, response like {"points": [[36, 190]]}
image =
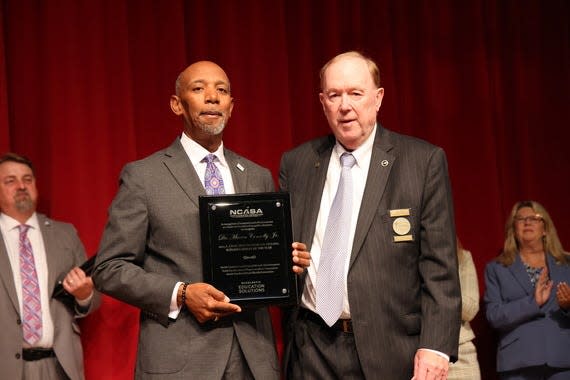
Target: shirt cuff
{"points": [[174, 308], [437, 353], [84, 303]]}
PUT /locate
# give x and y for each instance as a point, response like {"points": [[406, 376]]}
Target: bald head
{"points": [[200, 69], [372, 67], [204, 102]]}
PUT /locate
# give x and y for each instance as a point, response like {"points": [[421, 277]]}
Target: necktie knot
{"points": [[347, 160], [210, 158], [213, 181], [23, 229]]}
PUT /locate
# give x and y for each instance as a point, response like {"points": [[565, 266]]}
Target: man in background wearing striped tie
{"points": [[40, 335]]}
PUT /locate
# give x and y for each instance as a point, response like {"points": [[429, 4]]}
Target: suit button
{"points": [[19, 321], [18, 355]]}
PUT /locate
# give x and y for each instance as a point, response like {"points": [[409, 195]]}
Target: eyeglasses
{"points": [[533, 219]]}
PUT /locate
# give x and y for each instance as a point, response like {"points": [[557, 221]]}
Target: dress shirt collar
{"points": [[362, 154], [8, 223], [197, 152]]}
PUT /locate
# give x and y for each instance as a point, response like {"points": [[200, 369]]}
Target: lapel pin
{"points": [[240, 167], [384, 163]]}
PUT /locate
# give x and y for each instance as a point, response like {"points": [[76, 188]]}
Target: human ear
{"points": [[175, 105]]}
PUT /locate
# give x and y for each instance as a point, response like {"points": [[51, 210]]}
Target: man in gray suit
{"points": [[151, 254], [391, 308], [40, 335]]}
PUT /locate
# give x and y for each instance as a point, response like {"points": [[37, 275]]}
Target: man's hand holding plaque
{"points": [[207, 303], [301, 257]]}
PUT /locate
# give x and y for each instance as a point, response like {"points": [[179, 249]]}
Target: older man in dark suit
{"points": [[151, 254], [40, 334], [382, 299]]}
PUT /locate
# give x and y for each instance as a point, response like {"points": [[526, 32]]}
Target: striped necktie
{"points": [[31, 303]]}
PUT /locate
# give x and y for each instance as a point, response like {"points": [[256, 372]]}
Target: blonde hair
{"points": [[372, 67], [551, 242]]}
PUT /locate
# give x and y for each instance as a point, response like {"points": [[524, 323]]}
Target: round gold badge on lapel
{"points": [[401, 226]]}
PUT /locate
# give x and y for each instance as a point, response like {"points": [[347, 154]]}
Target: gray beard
{"points": [[212, 130], [25, 205]]}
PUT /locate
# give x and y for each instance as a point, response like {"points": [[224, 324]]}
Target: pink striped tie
{"points": [[30, 289]]}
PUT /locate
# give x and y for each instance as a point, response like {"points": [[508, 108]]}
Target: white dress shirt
{"points": [[359, 175], [11, 236], [196, 154]]}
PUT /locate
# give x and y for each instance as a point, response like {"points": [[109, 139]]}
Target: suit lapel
{"points": [[238, 170], [518, 271], [316, 175], [6, 275], [179, 165], [381, 163], [315, 184], [50, 245], [555, 271]]}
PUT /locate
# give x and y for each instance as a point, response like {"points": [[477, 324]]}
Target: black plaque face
{"points": [[246, 247]]}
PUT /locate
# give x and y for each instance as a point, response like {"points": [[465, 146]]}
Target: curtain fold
{"points": [[85, 87]]}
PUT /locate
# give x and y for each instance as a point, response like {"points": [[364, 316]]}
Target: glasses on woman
{"points": [[532, 219]]}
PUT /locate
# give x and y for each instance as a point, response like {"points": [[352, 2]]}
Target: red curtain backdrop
{"points": [[85, 86]]}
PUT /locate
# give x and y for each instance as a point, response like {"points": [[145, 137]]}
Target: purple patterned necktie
{"points": [[213, 182], [335, 249], [30, 289]]}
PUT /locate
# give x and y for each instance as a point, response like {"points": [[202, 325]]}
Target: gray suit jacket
{"points": [[151, 241], [64, 250], [402, 295]]}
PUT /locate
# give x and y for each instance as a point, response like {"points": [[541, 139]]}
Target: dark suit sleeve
{"points": [[441, 298]]}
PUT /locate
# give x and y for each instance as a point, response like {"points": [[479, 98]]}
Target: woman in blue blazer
{"points": [[527, 298]]}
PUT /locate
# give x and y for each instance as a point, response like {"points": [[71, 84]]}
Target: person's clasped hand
{"points": [[563, 295], [78, 284], [542, 288]]}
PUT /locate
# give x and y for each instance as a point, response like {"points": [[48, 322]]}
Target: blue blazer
{"points": [[529, 335]]}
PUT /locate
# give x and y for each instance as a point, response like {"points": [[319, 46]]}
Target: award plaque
{"points": [[246, 247]]}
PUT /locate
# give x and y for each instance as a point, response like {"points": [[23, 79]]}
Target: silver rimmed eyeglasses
{"points": [[532, 219]]}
